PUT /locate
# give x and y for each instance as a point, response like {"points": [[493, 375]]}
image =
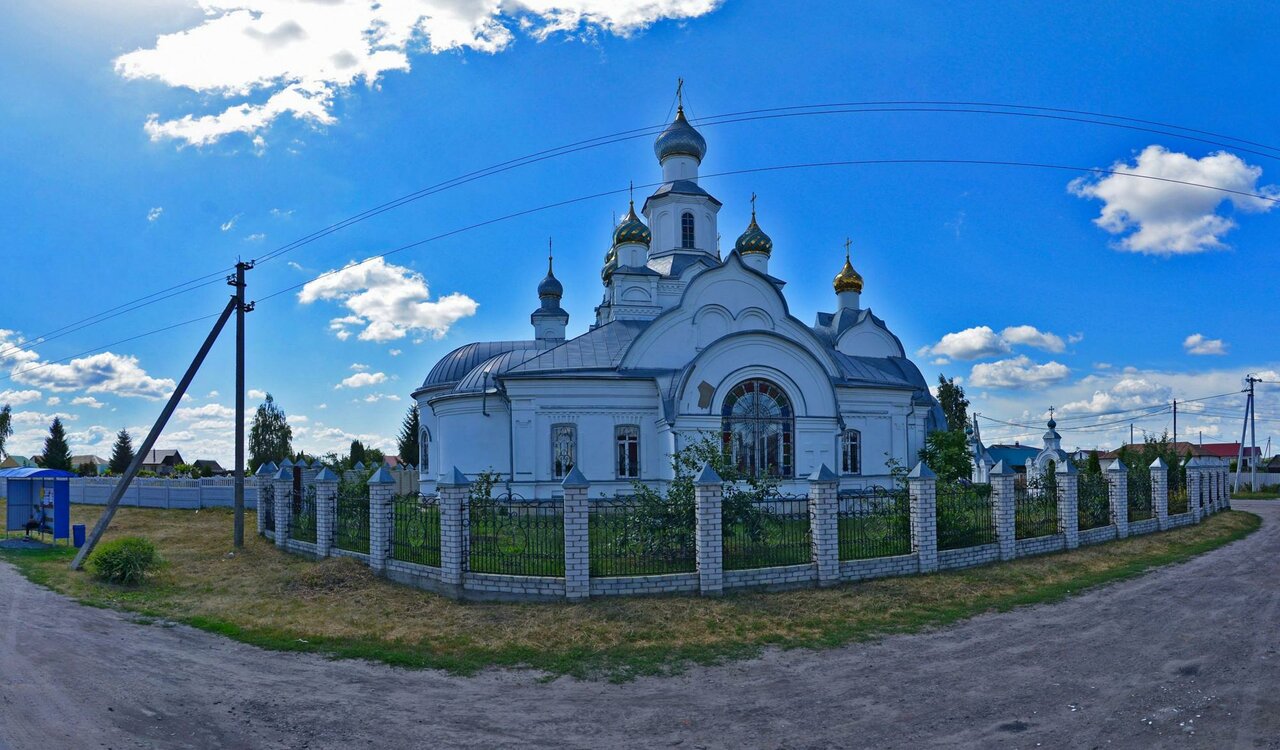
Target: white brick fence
{"points": [[432, 543]]}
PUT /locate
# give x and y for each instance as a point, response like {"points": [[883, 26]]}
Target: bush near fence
{"points": [[964, 515], [1178, 502], [874, 522], [415, 529], [1140, 506]]}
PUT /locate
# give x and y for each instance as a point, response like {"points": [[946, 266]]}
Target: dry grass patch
{"points": [[338, 607]]}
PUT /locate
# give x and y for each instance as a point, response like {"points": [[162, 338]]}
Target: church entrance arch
{"points": [[757, 427]]}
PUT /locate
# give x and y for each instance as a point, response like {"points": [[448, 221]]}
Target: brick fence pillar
{"points": [[282, 485], [577, 544], [709, 493], [1195, 485], [262, 479], [326, 510], [1224, 476], [1068, 481], [922, 485], [1160, 492], [824, 524], [382, 488], [1003, 511], [1118, 493], [453, 490]]}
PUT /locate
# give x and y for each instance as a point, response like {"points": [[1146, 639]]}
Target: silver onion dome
{"points": [[680, 139]]}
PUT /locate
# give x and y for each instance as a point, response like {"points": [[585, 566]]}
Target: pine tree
{"points": [[121, 453], [6, 427], [356, 454], [407, 443], [57, 454], [270, 437]]}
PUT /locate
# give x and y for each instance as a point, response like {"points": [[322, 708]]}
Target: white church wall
{"points": [[869, 340], [470, 440]]}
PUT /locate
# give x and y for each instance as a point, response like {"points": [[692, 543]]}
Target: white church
{"points": [[686, 344]]}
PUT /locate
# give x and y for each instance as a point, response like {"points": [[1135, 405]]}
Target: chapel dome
{"points": [[680, 139], [550, 286], [848, 280], [632, 229], [753, 240]]}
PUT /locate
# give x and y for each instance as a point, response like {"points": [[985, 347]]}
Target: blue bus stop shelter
{"points": [[39, 498]]}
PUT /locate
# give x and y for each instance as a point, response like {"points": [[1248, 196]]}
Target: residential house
{"points": [[162, 462]]}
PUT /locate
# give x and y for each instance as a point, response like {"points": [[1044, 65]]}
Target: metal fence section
{"points": [[964, 515], [510, 535], [267, 505], [415, 529], [302, 521], [1035, 506], [634, 536], [1094, 502], [768, 532], [874, 522], [1140, 507], [1178, 490], [351, 518]]}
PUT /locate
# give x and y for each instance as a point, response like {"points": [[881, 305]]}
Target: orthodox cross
{"points": [[753, 205], [680, 92], [847, 244], [1050, 412]]}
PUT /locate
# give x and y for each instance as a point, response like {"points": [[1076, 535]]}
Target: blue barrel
{"points": [[77, 535]]}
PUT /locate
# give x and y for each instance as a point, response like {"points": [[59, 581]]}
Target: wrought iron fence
{"points": [[1094, 502], [511, 535], [632, 536], [964, 515], [267, 505], [1035, 506], [351, 518], [766, 532], [875, 522], [1178, 490], [1140, 507], [415, 529], [302, 519]]}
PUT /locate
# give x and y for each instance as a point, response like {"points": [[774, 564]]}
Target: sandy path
{"points": [[1187, 657]]}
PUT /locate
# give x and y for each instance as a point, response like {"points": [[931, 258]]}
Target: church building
{"points": [[686, 344]]}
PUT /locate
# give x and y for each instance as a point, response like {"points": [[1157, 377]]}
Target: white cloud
{"points": [[359, 367], [291, 57], [256, 237], [40, 418], [16, 397], [88, 401], [11, 348], [257, 395], [280, 213], [322, 406], [52, 401], [1129, 392], [394, 352], [982, 341], [154, 213], [1197, 343], [212, 394], [1018, 372], [374, 398], [105, 372], [206, 411], [230, 224], [1170, 218], [362, 380], [389, 301]]}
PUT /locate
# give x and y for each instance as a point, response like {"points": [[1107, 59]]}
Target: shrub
{"points": [[126, 561]]}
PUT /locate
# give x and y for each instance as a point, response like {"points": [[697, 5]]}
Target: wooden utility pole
{"points": [[241, 308]]}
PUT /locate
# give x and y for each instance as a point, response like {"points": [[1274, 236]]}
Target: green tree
{"points": [[87, 469], [356, 454], [6, 427], [407, 443], [57, 454], [954, 404], [374, 457], [270, 436], [121, 453], [1093, 465], [947, 453]]}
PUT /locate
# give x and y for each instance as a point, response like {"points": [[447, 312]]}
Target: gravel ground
{"points": [[1183, 657]]}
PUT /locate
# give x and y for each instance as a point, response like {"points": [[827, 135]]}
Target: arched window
{"points": [[424, 451], [758, 429], [686, 230], [564, 449], [850, 452], [627, 439]]}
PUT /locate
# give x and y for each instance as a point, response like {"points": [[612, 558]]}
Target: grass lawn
{"points": [[336, 607], [1267, 494]]}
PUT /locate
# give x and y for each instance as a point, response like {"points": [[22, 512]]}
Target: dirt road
{"points": [[1185, 657]]}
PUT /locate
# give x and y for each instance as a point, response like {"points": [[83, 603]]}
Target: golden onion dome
{"points": [[848, 280], [753, 240], [632, 229], [610, 265]]}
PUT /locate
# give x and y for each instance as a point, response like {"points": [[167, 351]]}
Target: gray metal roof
{"points": [[482, 375], [598, 349], [455, 365], [879, 371], [680, 187]]}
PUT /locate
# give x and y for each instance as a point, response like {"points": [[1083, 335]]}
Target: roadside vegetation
{"points": [[1270, 493], [338, 608]]}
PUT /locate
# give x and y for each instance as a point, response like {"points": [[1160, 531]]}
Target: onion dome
{"points": [[753, 240], [680, 139], [610, 265], [848, 280], [550, 286], [632, 229], [1053, 425]]}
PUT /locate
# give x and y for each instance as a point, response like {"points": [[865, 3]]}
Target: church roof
{"points": [[482, 375], [681, 187], [879, 371], [455, 365], [601, 348]]}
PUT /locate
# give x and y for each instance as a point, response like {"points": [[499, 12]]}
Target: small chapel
{"points": [[686, 344]]}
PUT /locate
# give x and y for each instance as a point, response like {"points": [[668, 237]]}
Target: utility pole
{"points": [[1131, 433], [1175, 425], [237, 281], [1244, 430], [1253, 436]]}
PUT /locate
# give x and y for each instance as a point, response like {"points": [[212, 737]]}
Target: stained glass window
{"points": [[758, 429]]}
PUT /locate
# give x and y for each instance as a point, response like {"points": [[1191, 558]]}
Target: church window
{"points": [[758, 429], [686, 230], [627, 440], [564, 449], [424, 451], [850, 452]]}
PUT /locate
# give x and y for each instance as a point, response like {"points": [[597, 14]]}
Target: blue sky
{"points": [[148, 142]]}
